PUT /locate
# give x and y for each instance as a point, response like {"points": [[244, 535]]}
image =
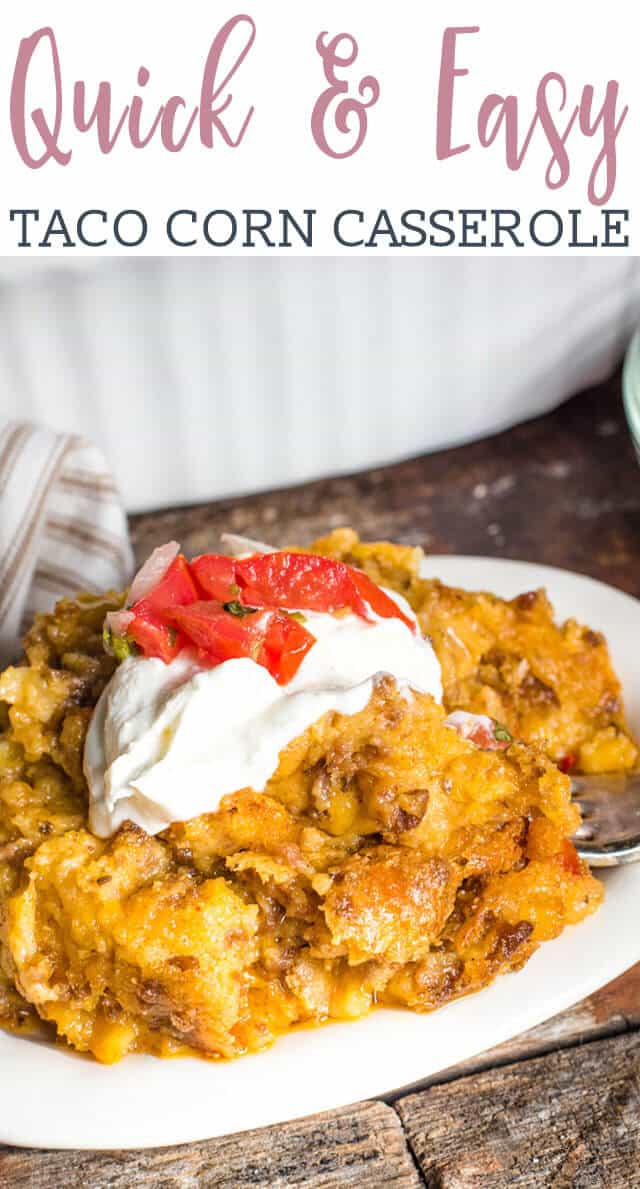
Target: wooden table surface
{"points": [[560, 1105]]}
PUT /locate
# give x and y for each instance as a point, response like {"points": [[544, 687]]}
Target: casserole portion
{"points": [[550, 684], [396, 856]]}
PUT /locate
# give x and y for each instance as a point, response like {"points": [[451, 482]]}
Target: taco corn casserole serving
{"points": [[285, 787]]}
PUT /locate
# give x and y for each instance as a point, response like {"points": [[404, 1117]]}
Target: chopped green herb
{"points": [[123, 647], [502, 734], [119, 646], [237, 609]]}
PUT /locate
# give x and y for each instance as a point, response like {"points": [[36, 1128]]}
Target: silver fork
{"points": [[610, 806]]}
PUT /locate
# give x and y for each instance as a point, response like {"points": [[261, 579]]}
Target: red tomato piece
{"points": [[295, 581], [215, 574], [380, 603], [270, 638], [156, 638], [176, 589], [286, 644], [305, 582], [217, 632], [568, 762], [151, 627]]}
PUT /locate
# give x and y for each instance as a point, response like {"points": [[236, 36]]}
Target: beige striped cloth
{"points": [[62, 525]]}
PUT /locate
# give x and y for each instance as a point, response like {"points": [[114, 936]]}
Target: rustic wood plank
{"points": [[362, 1145], [570, 1120]]}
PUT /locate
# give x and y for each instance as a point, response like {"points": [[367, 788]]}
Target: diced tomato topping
{"points": [[286, 644], [155, 637], [484, 738], [270, 638], [568, 762], [151, 627], [380, 603], [215, 575], [569, 858], [295, 581], [219, 633], [230, 608], [176, 589], [305, 582], [480, 730]]}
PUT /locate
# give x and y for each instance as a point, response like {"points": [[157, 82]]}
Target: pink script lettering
{"points": [[172, 121], [341, 52], [559, 123]]}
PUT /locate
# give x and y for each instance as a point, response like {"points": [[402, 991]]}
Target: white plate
{"points": [[52, 1098]]}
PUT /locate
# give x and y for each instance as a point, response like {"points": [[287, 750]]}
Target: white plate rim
{"points": [[50, 1098]]}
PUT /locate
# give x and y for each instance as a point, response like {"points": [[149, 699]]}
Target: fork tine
{"points": [[609, 804]]}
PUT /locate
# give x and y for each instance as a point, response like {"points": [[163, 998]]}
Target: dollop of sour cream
{"points": [[167, 742]]}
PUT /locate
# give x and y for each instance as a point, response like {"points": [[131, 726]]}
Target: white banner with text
{"points": [[332, 128]]}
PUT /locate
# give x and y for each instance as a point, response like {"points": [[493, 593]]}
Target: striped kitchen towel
{"points": [[62, 525]]}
